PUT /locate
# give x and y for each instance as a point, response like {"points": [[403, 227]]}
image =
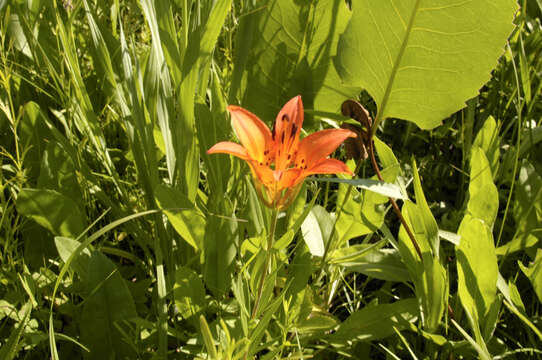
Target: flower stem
{"points": [[394, 203], [270, 239]]}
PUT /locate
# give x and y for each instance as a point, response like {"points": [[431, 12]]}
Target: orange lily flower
{"points": [[279, 161]]}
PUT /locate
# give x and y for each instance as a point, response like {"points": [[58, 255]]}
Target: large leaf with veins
{"points": [[421, 60], [292, 44]]}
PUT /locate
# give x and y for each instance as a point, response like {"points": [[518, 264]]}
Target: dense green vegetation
{"points": [[121, 238]]}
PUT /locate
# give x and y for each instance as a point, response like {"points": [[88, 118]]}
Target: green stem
{"points": [[337, 216], [270, 239], [393, 202]]}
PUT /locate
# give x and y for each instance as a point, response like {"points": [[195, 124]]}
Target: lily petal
{"points": [[289, 178], [328, 166], [286, 132], [319, 145], [228, 147], [252, 132], [263, 173]]}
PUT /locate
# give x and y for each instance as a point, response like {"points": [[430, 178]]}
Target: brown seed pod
{"points": [[357, 147]]}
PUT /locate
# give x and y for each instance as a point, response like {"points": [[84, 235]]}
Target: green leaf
{"points": [[58, 173], [188, 221], [430, 278], [109, 302], [428, 222], [11, 345], [513, 302], [488, 140], [33, 134], [316, 229], [219, 246], [421, 60], [376, 186], [477, 268], [534, 273], [483, 195], [377, 322], [188, 292], [212, 127], [65, 247], [317, 323], [16, 33], [290, 54], [383, 264], [364, 211], [197, 57], [351, 254], [52, 210]]}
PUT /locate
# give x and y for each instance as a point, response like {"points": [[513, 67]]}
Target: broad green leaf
{"points": [[65, 247], [361, 214], [488, 140], [52, 210], [16, 33], [421, 60], [58, 173], [383, 264], [316, 229], [188, 292], [33, 133], [377, 321], [317, 323], [534, 273], [183, 215], [385, 154], [299, 293], [483, 201], [290, 54], [219, 246], [364, 211], [351, 254], [109, 302], [430, 278], [477, 268], [376, 186]]}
